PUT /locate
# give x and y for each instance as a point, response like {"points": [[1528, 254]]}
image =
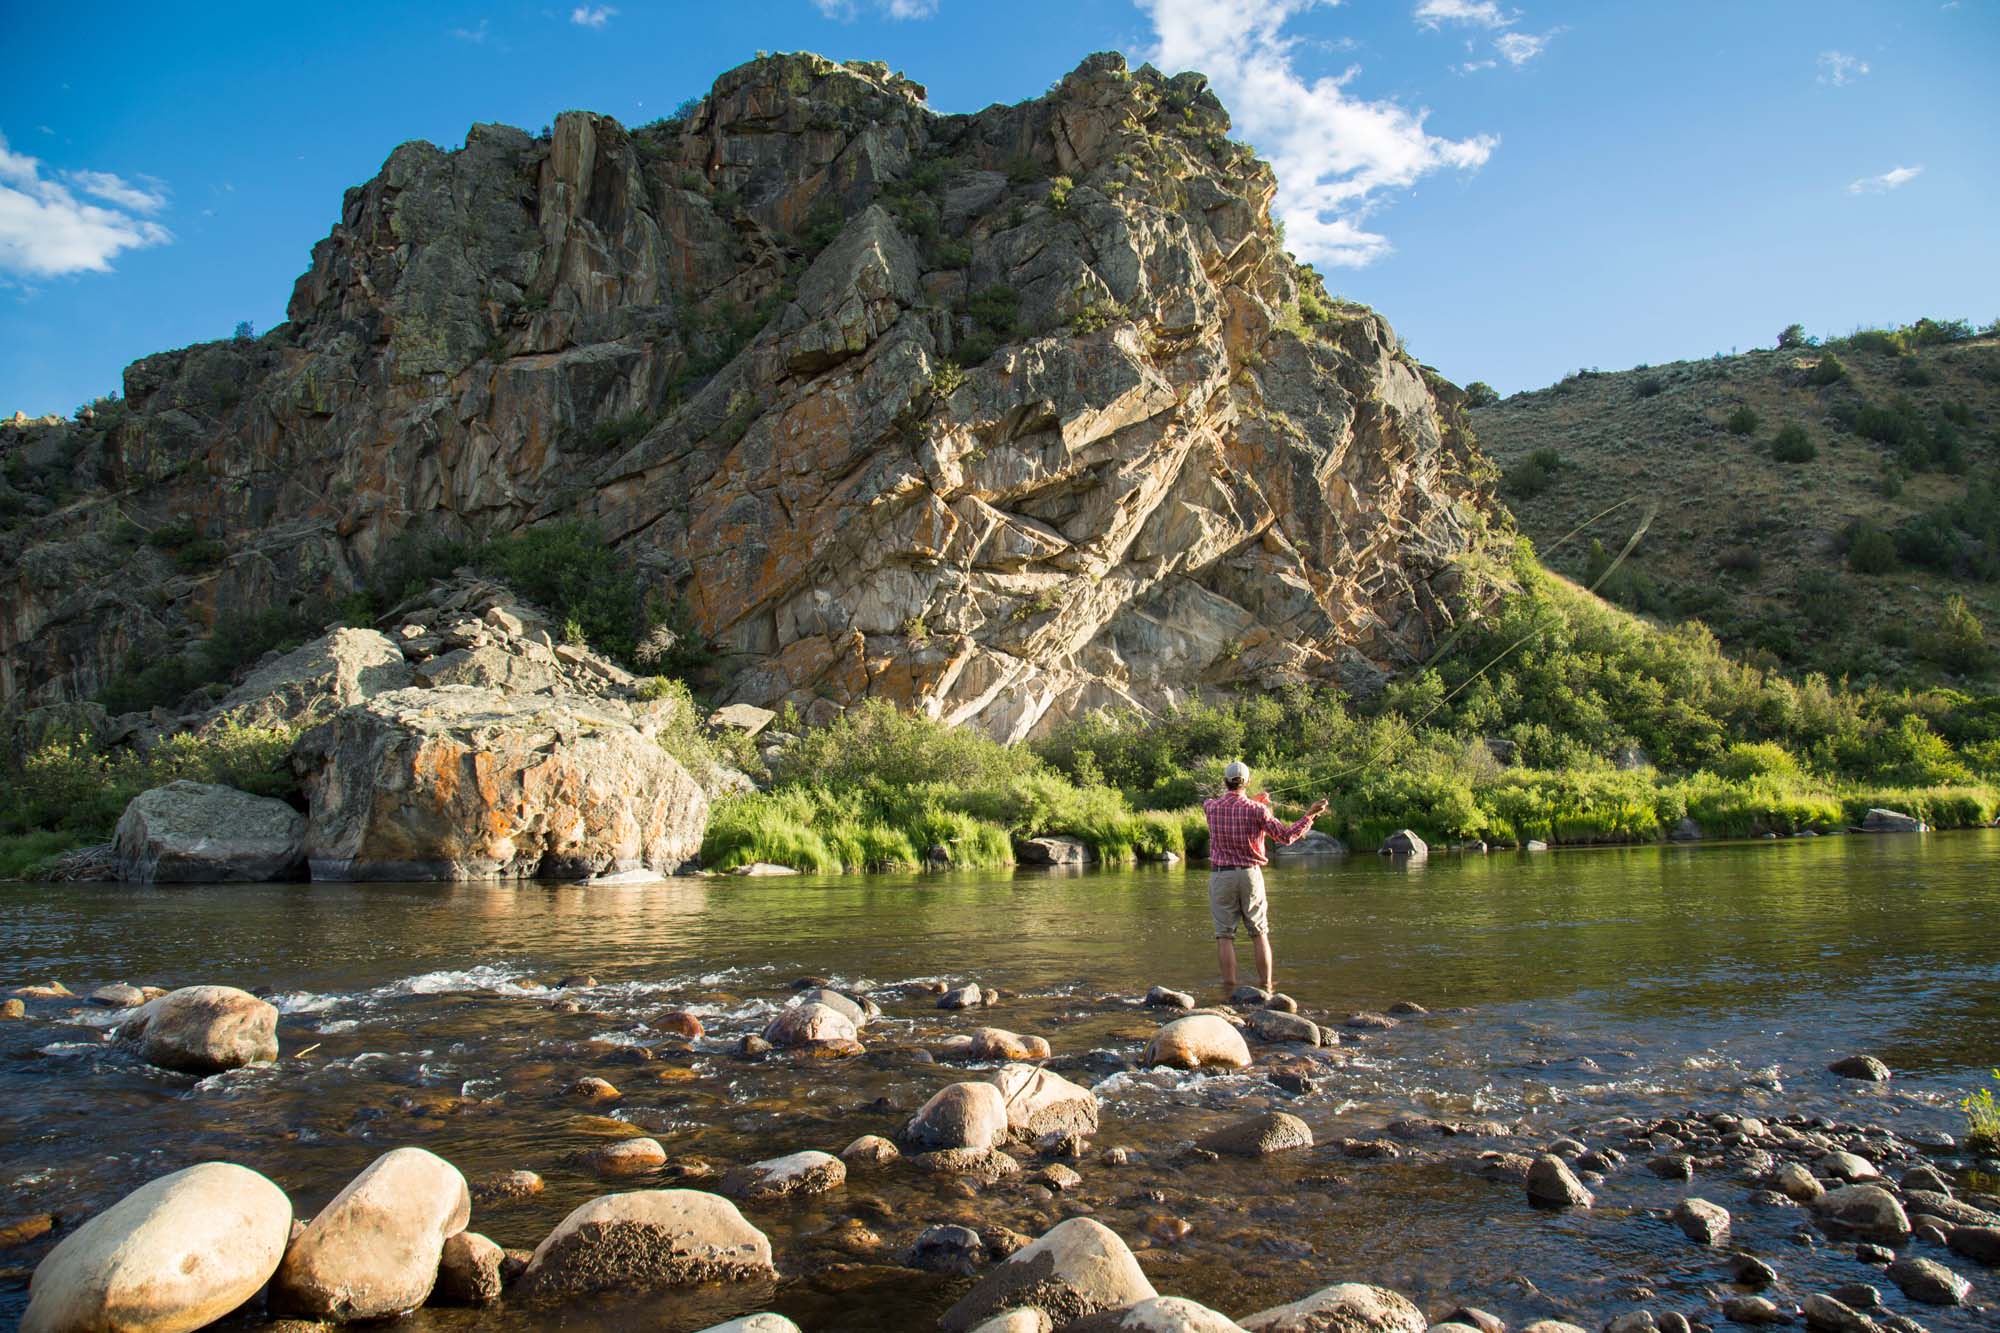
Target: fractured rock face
{"points": [[465, 783], [1078, 448]]}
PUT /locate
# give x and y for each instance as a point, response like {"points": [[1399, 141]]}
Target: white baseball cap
{"points": [[1238, 771]]}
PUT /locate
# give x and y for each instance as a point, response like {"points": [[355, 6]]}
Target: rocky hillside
{"points": [[1003, 416], [1818, 507]]}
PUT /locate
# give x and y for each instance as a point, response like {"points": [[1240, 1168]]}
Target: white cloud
{"points": [[478, 35], [592, 16], [1887, 181], [843, 11], [1483, 13], [1518, 48], [1335, 154], [46, 231], [1474, 66], [1840, 70]]}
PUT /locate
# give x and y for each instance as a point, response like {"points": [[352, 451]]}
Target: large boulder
{"points": [[1077, 1268], [1199, 1041], [1349, 1307], [374, 1250], [200, 832], [1868, 1211], [1159, 1314], [203, 1030], [647, 1238], [1052, 851], [179, 1252], [313, 682], [1405, 842], [1259, 1136], [1879, 820], [809, 1025], [858, 1012], [467, 783], [1312, 843], [1040, 1101], [962, 1115]]}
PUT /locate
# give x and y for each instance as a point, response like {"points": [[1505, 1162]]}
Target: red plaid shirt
{"points": [[1237, 827]]}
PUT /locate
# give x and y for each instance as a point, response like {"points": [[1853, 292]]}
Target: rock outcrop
{"points": [[1002, 416], [465, 782], [199, 832]]}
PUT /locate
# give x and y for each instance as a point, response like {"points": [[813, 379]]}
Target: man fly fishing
{"points": [[1237, 827]]}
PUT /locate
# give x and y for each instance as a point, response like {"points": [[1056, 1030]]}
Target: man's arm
{"points": [[1285, 834]]}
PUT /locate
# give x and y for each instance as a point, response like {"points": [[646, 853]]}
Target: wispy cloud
{"points": [[46, 231], [1518, 48], [592, 16], [1839, 70], [1481, 13], [476, 36], [844, 11], [1336, 154], [1894, 179]]}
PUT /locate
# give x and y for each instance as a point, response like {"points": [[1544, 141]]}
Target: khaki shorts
{"points": [[1238, 893]]}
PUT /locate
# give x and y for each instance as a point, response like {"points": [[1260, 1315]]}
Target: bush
{"points": [[1533, 474], [1649, 386], [1059, 188], [1743, 421], [1870, 550], [568, 568], [1792, 445], [1828, 370], [1959, 641], [1480, 394], [1792, 336], [71, 786]]}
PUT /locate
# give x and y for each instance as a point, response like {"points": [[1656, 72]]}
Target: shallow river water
{"points": [[1566, 989]]}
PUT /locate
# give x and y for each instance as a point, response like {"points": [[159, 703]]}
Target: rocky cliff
{"points": [[1005, 416]]}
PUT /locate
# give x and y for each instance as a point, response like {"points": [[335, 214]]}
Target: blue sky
{"points": [[1522, 189]]}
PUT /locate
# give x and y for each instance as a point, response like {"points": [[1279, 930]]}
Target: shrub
{"points": [[1870, 550], [1742, 561], [1959, 641], [1982, 1118], [1480, 394], [1649, 386], [1793, 335], [69, 785], [1793, 445], [1828, 370], [946, 379], [1023, 169], [1059, 188], [1743, 421], [568, 567], [1532, 474]]}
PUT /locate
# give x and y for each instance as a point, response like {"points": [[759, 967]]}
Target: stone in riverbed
{"points": [[177, 1253], [962, 1115], [1751, 1271], [1929, 1282], [808, 1025], [678, 1023], [200, 832], [860, 1012], [1040, 1102], [1368, 1021], [12, 1008], [1864, 1067], [1159, 997], [1077, 1268], [1849, 1167], [763, 870], [963, 997], [645, 1239], [1879, 820], [1348, 1307], [1276, 1025], [1052, 851], [1703, 1222], [947, 1249], [1926, 1178], [1551, 1184], [1753, 1310], [1259, 1136], [626, 1157], [1474, 1317], [1956, 1212], [1828, 1315], [117, 995], [1000, 1044], [755, 1323], [1794, 1181], [374, 1250], [594, 1089], [203, 1030], [1980, 1244], [987, 1166], [1030, 1320], [1868, 1210], [1405, 842], [870, 1150], [505, 1186], [1160, 1314], [468, 1270], [1198, 1041], [799, 1173]]}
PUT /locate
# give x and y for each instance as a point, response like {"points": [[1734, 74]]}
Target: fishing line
{"points": [[1409, 729]]}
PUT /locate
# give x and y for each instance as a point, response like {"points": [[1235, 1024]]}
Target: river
{"points": [[1565, 989]]}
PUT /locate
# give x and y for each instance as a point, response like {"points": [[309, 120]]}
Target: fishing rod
{"points": [[1409, 729]]}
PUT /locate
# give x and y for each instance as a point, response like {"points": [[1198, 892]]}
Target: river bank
{"points": [[1565, 994]]}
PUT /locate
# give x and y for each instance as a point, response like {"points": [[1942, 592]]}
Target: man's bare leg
{"points": [[1262, 944], [1225, 953]]}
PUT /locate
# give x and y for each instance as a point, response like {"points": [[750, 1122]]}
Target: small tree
{"points": [[1481, 394], [1828, 371], [1743, 421], [1870, 550], [1793, 445], [1794, 335], [245, 331], [1960, 640]]}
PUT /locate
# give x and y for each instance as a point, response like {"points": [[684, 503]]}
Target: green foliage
{"points": [[568, 568], [1869, 549], [1094, 312], [1982, 1118], [1649, 386], [150, 680], [1793, 336], [23, 855], [1481, 394], [1828, 370], [946, 379], [1792, 445], [1058, 196], [615, 433], [1959, 640], [1743, 421], [70, 786], [1533, 474]]}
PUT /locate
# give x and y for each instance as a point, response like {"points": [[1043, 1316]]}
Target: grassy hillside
{"points": [[1819, 507]]}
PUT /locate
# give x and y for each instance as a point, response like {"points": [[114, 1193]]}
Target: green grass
{"points": [[69, 788], [21, 854]]}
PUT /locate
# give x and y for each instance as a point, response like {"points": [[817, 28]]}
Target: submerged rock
{"points": [[469, 1270], [200, 832], [1159, 997], [1552, 1185], [799, 1173], [870, 1150], [179, 1252], [1864, 1067], [203, 1030], [947, 1249], [809, 1024], [1000, 1044], [374, 1250], [1077, 1268], [648, 1238], [1259, 1136]]}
